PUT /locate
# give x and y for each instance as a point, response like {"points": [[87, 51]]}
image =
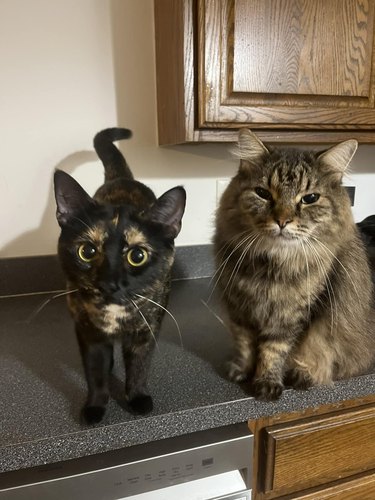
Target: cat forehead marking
{"points": [[116, 219], [134, 236], [289, 176], [96, 234]]}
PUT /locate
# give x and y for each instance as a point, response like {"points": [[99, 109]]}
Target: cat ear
{"points": [[71, 198], [169, 209], [338, 157], [251, 150]]}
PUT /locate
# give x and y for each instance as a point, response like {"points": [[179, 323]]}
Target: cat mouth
{"points": [[110, 296], [281, 235], [118, 298], [284, 238]]}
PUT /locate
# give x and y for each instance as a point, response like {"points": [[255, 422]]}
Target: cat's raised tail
{"points": [[115, 165]]}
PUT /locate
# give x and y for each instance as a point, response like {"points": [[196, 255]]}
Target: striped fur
{"points": [[292, 269]]}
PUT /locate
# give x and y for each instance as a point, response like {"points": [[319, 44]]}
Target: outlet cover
{"points": [[351, 193], [221, 185]]}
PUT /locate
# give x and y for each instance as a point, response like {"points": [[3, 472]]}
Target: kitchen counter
{"points": [[43, 386]]}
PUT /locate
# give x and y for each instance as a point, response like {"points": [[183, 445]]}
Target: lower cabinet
{"points": [[362, 488], [326, 452]]}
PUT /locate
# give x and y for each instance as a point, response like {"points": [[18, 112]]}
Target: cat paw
{"points": [[93, 414], [298, 379], [267, 390], [236, 372], [141, 404]]}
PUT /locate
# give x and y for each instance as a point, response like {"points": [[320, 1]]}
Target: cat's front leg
{"points": [[272, 356], [97, 360], [137, 360], [242, 365]]}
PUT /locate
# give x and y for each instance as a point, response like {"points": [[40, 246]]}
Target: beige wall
{"points": [[70, 68]]}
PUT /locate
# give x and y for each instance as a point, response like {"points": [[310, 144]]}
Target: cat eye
{"points": [[310, 198], [87, 252], [137, 256], [263, 193]]}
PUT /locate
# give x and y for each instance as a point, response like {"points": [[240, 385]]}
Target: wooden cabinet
{"points": [[323, 453], [362, 488], [293, 70]]}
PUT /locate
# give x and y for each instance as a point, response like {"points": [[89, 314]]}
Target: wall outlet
{"points": [[351, 193], [221, 185]]}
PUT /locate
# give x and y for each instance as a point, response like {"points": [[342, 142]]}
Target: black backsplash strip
{"points": [[22, 275], [193, 262], [351, 193]]}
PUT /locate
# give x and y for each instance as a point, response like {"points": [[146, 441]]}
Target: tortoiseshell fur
{"points": [[112, 300], [293, 270]]}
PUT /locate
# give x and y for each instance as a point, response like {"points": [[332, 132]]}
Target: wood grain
{"points": [[320, 451], [299, 62], [281, 47], [289, 135], [294, 70], [174, 52], [304, 428], [361, 488]]}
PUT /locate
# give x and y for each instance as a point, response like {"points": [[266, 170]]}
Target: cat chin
{"points": [[283, 240], [288, 240], [281, 246]]}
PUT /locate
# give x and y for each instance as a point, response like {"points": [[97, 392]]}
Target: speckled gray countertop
{"points": [[43, 386]]}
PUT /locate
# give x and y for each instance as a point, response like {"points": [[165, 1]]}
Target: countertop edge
{"points": [[100, 439]]}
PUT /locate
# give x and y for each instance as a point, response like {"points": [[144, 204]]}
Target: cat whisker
{"points": [[258, 244], [146, 322], [46, 302], [320, 268], [82, 222], [329, 287], [224, 247], [225, 262], [326, 249], [214, 314], [238, 264], [168, 312], [308, 280]]}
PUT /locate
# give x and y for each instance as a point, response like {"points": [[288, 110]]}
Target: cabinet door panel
{"points": [[314, 452], [298, 47], [357, 489], [288, 63]]}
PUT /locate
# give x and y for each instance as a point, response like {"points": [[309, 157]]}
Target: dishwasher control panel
{"points": [[158, 465]]}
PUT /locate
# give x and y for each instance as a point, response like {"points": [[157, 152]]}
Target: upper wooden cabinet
{"points": [[293, 70]]}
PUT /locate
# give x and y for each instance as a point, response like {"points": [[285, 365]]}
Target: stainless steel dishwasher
{"points": [[206, 465]]}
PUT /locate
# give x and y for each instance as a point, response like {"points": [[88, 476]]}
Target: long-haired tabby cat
{"points": [[116, 250], [293, 270]]}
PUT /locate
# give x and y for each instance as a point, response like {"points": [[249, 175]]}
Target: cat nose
{"points": [[109, 286], [282, 222]]}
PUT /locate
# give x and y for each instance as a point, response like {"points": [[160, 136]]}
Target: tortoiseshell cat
{"points": [[116, 250], [293, 269]]}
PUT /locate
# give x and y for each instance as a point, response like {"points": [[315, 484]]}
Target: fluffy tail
{"points": [[114, 163]]}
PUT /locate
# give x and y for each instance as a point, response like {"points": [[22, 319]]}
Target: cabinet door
{"points": [[286, 64], [317, 451], [362, 488]]}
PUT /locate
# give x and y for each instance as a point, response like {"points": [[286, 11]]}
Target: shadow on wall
{"points": [[48, 221], [135, 83]]}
